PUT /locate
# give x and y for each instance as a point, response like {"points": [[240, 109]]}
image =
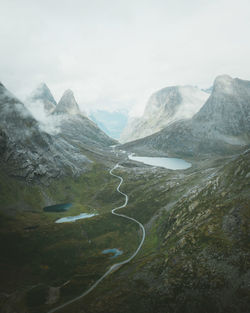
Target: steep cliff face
{"points": [[227, 111], [221, 126], [163, 108], [27, 151]]}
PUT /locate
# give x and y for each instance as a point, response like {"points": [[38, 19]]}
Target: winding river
{"points": [[116, 265]]}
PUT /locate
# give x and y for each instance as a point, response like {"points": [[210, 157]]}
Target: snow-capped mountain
{"points": [[164, 107], [221, 126]]}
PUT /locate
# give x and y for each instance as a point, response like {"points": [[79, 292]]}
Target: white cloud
{"points": [[115, 53]]}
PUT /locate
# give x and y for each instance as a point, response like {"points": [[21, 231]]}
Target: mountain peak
{"points": [[43, 94], [223, 83], [67, 104], [68, 92], [223, 78], [42, 85]]}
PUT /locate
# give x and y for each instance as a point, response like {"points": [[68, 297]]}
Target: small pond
{"points": [[74, 218], [114, 251], [63, 207], [169, 163]]}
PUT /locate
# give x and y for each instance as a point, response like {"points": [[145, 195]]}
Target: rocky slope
{"points": [[82, 132], [164, 107], [75, 127], [221, 126], [28, 152]]}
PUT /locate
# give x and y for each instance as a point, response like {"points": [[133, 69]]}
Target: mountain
{"points": [[67, 121], [76, 127], [195, 257], [67, 104], [164, 107], [43, 95], [112, 123], [27, 151], [82, 132], [221, 126]]}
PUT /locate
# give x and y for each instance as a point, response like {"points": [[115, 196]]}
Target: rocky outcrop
{"points": [[163, 108]]}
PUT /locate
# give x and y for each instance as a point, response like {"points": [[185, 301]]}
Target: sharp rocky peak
{"points": [[67, 104], [68, 93], [43, 95]]}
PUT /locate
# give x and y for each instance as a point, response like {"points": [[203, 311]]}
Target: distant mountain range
{"points": [[112, 123]]}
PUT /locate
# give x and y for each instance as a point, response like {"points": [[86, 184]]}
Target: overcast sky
{"points": [[114, 53]]}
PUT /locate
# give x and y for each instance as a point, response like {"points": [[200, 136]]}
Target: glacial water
{"points": [[169, 163], [74, 218], [114, 251]]}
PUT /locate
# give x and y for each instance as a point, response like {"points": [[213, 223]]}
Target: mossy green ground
{"points": [[194, 259], [35, 251]]}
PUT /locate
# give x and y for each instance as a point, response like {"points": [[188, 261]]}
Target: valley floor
{"points": [[195, 257]]}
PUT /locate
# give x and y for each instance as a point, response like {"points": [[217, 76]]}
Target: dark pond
{"points": [[58, 207]]}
